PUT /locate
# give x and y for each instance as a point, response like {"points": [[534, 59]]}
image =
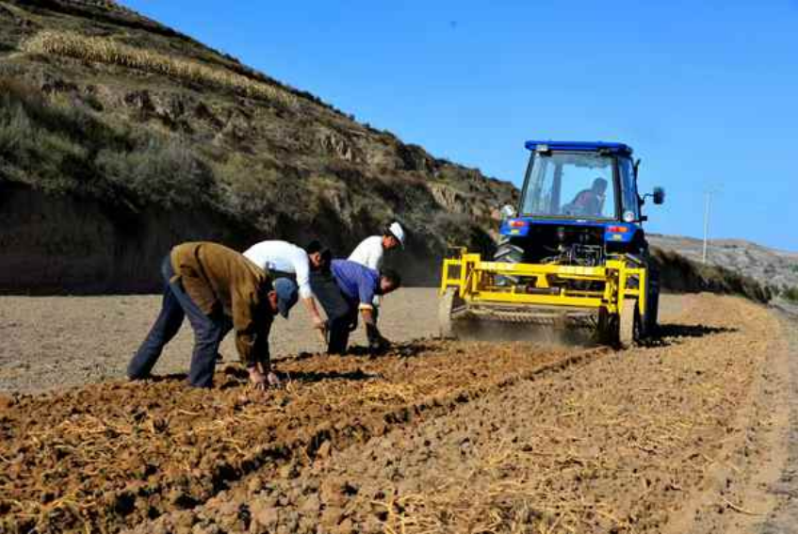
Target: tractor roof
{"points": [[581, 146]]}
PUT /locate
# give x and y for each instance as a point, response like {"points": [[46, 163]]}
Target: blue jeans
{"points": [[341, 311], [208, 333]]}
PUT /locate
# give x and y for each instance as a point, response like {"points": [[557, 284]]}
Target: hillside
{"points": [[120, 137], [776, 270]]}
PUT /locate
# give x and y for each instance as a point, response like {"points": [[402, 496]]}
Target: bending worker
{"points": [[219, 290], [350, 288], [283, 259], [371, 251]]}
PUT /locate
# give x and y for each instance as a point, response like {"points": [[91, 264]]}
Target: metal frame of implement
{"points": [[475, 283]]}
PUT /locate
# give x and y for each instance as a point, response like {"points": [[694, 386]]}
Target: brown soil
{"points": [[57, 342], [436, 436]]}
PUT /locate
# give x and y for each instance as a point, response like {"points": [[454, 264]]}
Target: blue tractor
{"points": [[573, 253]]}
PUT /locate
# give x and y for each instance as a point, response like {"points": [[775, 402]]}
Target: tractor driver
{"points": [[589, 202]]}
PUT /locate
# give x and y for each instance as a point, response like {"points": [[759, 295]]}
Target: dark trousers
{"points": [[341, 311], [208, 333]]}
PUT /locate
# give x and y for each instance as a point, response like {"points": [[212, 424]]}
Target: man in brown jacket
{"points": [[218, 289]]}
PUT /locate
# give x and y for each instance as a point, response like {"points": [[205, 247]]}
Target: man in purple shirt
{"points": [[347, 288]]}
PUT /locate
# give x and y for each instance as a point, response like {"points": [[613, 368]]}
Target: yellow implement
{"points": [[610, 298]]}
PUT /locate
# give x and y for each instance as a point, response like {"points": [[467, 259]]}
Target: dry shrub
{"points": [[791, 294], [105, 50], [162, 171], [63, 147]]}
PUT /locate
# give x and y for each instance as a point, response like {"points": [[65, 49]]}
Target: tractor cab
{"points": [[580, 198]]}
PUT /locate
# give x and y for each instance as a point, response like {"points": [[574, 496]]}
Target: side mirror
{"points": [[659, 195], [508, 211]]}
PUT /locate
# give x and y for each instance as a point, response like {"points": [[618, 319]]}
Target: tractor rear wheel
{"points": [[507, 252], [448, 304], [630, 323], [511, 254], [652, 305]]}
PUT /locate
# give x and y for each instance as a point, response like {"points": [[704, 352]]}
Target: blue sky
{"points": [[706, 92]]}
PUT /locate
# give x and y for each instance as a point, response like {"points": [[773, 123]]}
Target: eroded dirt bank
{"points": [[437, 436]]}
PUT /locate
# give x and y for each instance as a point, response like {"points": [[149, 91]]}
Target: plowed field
{"points": [[435, 436]]}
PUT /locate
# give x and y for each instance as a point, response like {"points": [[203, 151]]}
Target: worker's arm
{"points": [[367, 313], [252, 324], [254, 351], [319, 325], [302, 268], [315, 316]]}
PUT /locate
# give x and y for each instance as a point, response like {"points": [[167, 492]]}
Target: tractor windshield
{"points": [[570, 184]]}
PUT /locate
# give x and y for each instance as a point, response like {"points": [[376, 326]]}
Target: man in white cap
{"points": [[370, 252]]}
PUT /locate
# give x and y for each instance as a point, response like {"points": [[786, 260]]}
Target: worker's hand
{"points": [[379, 347], [257, 379], [320, 326]]}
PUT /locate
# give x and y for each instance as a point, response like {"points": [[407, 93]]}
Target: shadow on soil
{"points": [[405, 350], [168, 377], [669, 330], [670, 333], [315, 377]]}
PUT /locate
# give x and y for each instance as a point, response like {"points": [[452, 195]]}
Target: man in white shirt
{"points": [[371, 251], [281, 258]]}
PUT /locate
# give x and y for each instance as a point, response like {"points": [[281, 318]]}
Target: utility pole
{"points": [[707, 201], [708, 204]]}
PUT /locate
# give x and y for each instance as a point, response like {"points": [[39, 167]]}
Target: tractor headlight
{"points": [[629, 217]]}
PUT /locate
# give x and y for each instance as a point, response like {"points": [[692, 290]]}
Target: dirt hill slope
{"points": [[776, 271], [120, 137]]}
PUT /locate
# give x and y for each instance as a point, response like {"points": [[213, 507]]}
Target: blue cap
{"points": [[287, 295]]}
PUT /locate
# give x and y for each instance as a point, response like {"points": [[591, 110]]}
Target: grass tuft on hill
{"points": [[108, 51]]}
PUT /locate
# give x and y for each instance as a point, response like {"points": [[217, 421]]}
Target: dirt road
{"points": [[688, 434]]}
